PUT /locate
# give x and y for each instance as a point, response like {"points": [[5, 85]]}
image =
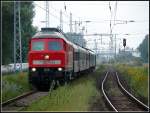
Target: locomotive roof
{"points": [[49, 32], [55, 33]]}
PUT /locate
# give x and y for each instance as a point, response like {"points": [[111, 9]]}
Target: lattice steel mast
{"points": [[17, 38], [47, 13]]}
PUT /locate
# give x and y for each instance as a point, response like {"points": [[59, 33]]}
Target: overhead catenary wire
{"points": [[107, 4], [51, 13], [94, 21], [65, 22], [56, 10], [58, 18], [64, 12], [115, 12], [140, 21], [66, 15]]}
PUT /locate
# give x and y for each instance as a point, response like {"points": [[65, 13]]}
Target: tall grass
{"points": [[137, 78], [75, 96], [14, 85]]}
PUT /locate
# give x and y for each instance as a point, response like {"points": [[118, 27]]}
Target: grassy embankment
{"points": [[75, 96], [14, 85], [137, 78]]}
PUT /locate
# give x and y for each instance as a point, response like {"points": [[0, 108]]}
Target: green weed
{"points": [[14, 85], [75, 96], [137, 78]]}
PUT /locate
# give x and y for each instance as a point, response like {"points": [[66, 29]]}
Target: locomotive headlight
{"points": [[33, 69], [46, 57], [59, 69]]}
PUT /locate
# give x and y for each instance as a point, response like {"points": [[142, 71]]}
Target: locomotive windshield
{"points": [[38, 45], [55, 45]]}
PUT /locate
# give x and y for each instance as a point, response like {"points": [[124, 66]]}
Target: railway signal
{"points": [[124, 42]]}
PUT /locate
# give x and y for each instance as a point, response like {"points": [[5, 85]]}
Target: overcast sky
{"points": [[98, 12]]}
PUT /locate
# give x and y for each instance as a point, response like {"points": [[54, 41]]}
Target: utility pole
{"points": [[83, 28], [101, 39], [75, 26], [111, 37], [86, 27], [70, 22], [79, 24], [47, 13], [115, 46], [17, 38], [95, 46], [61, 20]]}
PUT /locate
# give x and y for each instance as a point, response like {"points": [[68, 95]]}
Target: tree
{"points": [[143, 48], [7, 32], [27, 30]]}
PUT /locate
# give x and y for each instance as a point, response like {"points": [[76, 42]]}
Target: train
{"points": [[52, 57]]}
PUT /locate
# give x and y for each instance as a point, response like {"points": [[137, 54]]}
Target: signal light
{"points": [[124, 42]]}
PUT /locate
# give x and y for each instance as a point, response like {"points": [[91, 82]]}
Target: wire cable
{"points": [[51, 14]]}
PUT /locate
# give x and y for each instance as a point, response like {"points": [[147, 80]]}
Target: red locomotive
{"points": [[53, 58]]}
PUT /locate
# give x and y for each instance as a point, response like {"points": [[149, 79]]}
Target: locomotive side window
{"points": [[55, 45], [38, 45]]}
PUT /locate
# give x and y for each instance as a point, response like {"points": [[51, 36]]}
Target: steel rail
{"points": [[129, 94], [106, 97], [17, 98]]}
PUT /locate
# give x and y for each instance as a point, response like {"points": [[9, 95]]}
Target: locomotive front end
{"points": [[46, 53], [46, 60]]}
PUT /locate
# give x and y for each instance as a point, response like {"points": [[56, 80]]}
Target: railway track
{"points": [[19, 102], [117, 97]]}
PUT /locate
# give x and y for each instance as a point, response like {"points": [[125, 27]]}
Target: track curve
{"points": [[117, 97]]}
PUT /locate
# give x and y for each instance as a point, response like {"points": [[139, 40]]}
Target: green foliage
{"points": [[27, 30], [14, 85], [137, 61], [72, 97], [143, 48], [7, 32], [137, 78], [124, 57], [127, 58], [76, 96]]}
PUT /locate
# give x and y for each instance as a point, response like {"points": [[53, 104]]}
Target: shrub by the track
{"points": [[78, 95], [14, 85], [137, 78]]}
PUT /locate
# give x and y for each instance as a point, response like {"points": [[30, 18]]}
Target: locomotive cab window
{"points": [[38, 45], [55, 45]]}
